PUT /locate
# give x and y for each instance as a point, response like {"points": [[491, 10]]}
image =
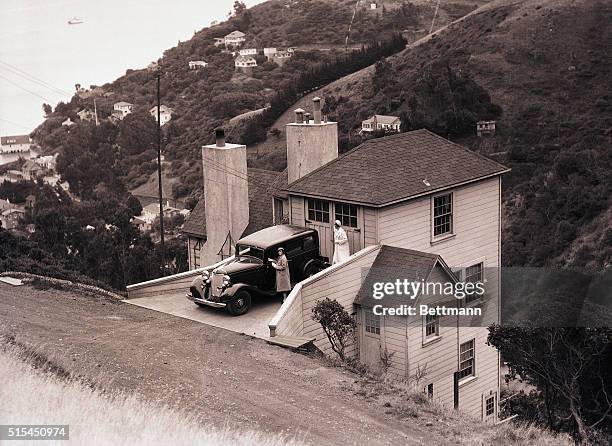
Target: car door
{"points": [[295, 257]]}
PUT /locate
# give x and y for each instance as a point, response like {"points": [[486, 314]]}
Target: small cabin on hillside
{"points": [[234, 39], [195, 64], [122, 109], [165, 114], [381, 122], [484, 128]]}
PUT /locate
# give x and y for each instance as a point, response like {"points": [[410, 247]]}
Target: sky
{"points": [[42, 57]]}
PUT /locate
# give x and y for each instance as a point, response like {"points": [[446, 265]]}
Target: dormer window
{"points": [[443, 215]]}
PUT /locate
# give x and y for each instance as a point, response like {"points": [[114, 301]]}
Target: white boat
{"points": [[75, 21]]}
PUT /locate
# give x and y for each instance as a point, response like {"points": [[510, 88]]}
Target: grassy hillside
{"points": [[206, 98], [542, 69]]}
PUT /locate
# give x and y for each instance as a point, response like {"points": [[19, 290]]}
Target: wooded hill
{"points": [[205, 98]]}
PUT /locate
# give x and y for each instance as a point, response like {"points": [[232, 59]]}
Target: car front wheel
{"points": [[240, 304]]}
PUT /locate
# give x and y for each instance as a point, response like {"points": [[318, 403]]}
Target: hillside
{"points": [[541, 69], [205, 98]]}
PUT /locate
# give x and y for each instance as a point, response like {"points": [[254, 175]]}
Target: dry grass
{"points": [[31, 397]]}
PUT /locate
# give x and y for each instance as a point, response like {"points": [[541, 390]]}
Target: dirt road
{"points": [[218, 376]]}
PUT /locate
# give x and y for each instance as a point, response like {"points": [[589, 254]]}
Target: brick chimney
{"points": [[226, 194], [310, 143]]}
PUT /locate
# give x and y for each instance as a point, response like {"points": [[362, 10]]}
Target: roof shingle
{"points": [[394, 168]]}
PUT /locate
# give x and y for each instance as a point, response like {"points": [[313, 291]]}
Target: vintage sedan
{"points": [[250, 273]]}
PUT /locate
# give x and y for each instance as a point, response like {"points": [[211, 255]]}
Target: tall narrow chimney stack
{"points": [[317, 110], [220, 137], [307, 118], [299, 116]]}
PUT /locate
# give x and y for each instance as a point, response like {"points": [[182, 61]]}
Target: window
{"points": [[197, 247], [430, 390], [279, 211], [443, 215], [473, 274], [318, 210], [372, 323], [347, 214], [466, 359], [292, 248], [431, 325], [310, 243], [490, 406]]}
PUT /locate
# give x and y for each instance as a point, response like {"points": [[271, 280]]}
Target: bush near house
{"points": [[338, 325]]}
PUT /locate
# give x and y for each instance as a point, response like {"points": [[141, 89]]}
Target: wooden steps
{"points": [[294, 343]]}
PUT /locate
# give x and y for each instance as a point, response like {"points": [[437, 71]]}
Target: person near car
{"points": [[341, 244], [283, 280]]}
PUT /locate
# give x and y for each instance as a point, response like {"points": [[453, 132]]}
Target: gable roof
{"points": [[394, 168], [383, 119], [260, 206], [235, 34], [121, 104], [243, 58], [394, 263], [17, 139]]}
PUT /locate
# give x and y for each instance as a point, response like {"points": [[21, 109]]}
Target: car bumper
{"points": [[210, 303]]}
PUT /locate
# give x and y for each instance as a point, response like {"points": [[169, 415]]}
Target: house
{"points": [[47, 162], [248, 52], [417, 209], [13, 176], [67, 123], [373, 6], [381, 122], [219, 41], [165, 114], [15, 144], [245, 62], [281, 57], [269, 52], [11, 218], [32, 170], [195, 64], [122, 109], [485, 128], [153, 66], [86, 115], [235, 38]]}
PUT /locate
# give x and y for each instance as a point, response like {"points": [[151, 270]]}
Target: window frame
{"points": [[471, 359], [460, 272], [339, 214], [431, 337], [486, 405], [372, 328], [471, 298], [324, 210], [450, 214], [195, 253]]}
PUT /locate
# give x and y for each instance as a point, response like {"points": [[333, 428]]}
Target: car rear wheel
{"points": [[240, 304], [312, 269]]}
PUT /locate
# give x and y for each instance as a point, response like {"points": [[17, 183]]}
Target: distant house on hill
{"points": [[381, 122], [12, 217], [248, 52], [280, 57], [32, 170], [152, 66], [235, 38], [269, 52], [219, 41], [245, 62], [165, 114], [195, 64], [86, 115], [17, 143], [485, 128], [123, 109], [67, 123], [46, 162]]}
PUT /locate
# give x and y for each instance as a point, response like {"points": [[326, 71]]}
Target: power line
{"points": [[19, 72], [24, 89], [14, 123]]}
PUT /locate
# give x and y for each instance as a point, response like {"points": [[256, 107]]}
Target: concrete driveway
{"points": [[254, 323]]}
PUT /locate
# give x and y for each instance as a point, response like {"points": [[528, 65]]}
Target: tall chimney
{"points": [[220, 137], [317, 110], [310, 146], [226, 195], [299, 116]]}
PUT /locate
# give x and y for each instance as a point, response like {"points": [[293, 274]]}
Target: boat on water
{"points": [[75, 21]]}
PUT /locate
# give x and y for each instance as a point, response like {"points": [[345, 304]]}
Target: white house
{"points": [[245, 62], [248, 52], [165, 114], [235, 38], [68, 122], [122, 109], [14, 144], [415, 206], [381, 122], [269, 52], [280, 57], [47, 162], [219, 41], [195, 64], [153, 66], [485, 128]]}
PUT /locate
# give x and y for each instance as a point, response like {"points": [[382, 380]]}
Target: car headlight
{"points": [[205, 277], [226, 280]]}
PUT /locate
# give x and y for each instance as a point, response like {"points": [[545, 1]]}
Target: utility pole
{"points": [[96, 113], [159, 177]]}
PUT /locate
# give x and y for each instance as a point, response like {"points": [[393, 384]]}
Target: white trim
{"points": [[442, 237], [297, 289]]}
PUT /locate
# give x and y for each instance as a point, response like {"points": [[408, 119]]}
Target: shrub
{"points": [[337, 324]]}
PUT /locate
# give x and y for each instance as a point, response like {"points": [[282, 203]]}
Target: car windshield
{"points": [[249, 251]]}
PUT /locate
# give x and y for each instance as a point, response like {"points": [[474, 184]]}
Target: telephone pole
{"points": [[159, 178]]}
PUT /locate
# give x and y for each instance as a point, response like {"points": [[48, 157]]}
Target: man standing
{"points": [[341, 244], [283, 281]]}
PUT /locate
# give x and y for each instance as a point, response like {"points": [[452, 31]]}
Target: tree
{"points": [[47, 109], [337, 324], [239, 8], [570, 368]]}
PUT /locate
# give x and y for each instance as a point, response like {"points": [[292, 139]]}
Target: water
{"points": [[6, 158], [116, 35]]}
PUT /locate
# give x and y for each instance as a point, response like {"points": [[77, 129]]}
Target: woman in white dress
{"points": [[341, 244]]}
